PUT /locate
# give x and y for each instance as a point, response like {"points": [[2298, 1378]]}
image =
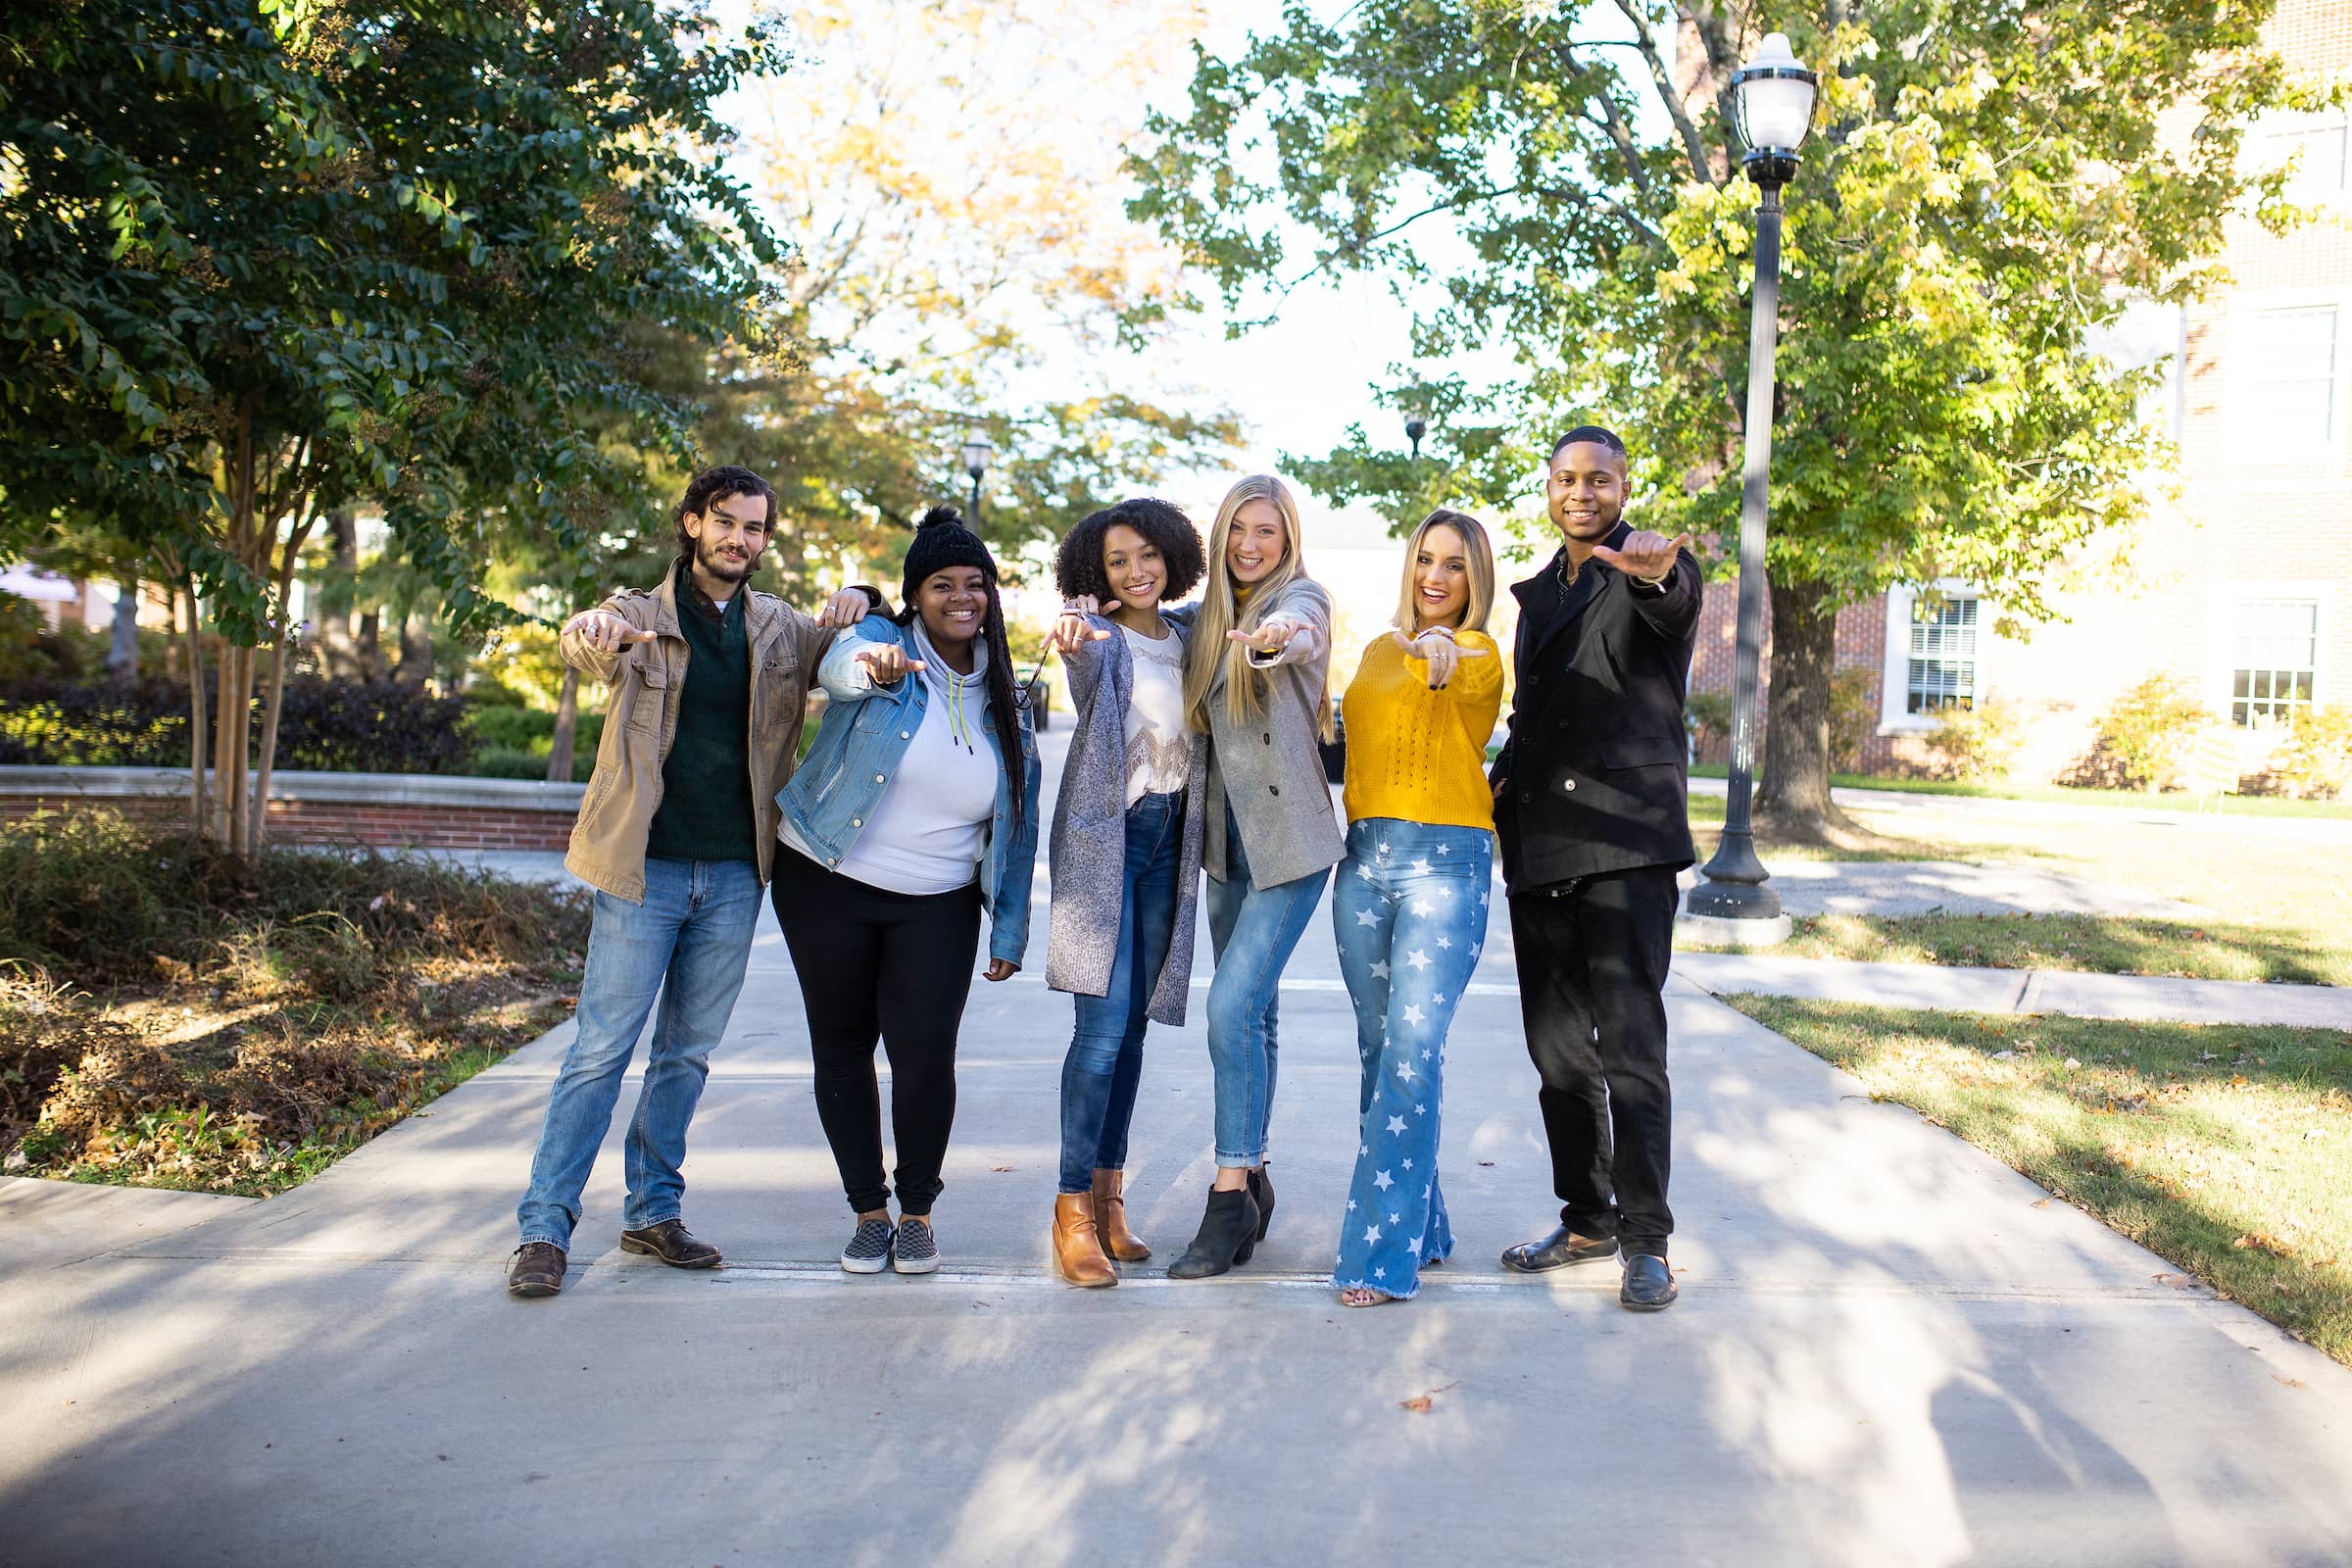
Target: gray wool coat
{"points": [[1271, 770], [1087, 854]]}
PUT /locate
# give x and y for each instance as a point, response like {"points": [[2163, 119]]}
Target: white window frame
{"points": [[2248, 448], [1895, 670], [2273, 130], [2228, 600]]}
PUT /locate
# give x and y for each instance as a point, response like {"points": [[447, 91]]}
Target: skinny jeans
{"points": [[1105, 1064], [1252, 931]]}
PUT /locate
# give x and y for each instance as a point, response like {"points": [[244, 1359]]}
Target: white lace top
{"points": [[1159, 750]]}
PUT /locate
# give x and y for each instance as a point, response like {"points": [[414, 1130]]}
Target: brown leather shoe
{"points": [[673, 1244], [1077, 1251], [538, 1270], [1111, 1218]]}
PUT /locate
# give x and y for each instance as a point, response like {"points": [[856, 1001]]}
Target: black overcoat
{"points": [[1594, 772]]}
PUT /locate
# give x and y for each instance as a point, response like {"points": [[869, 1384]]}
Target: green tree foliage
{"points": [[1986, 188], [261, 259]]}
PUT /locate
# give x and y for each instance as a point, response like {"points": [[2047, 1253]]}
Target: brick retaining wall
{"points": [[388, 810]]}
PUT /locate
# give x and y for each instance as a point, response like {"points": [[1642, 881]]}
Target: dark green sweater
{"points": [[705, 812]]}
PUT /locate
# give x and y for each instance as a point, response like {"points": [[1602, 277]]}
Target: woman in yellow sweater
{"points": [[1409, 905]]}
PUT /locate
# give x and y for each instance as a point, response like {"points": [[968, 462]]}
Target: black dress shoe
{"points": [[1228, 1236], [1560, 1248], [538, 1270], [1648, 1284], [673, 1244]]}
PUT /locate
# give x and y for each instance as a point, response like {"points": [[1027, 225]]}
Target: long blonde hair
{"points": [[1210, 652], [1479, 557]]}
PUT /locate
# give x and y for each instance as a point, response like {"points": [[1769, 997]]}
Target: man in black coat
{"points": [[1590, 802]]}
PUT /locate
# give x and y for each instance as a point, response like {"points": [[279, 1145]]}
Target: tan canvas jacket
{"points": [[607, 842]]}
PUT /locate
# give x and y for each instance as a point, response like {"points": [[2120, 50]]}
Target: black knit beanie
{"points": [[941, 541]]}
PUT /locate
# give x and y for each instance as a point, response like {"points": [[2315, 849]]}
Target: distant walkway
{"points": [[1893, 889], [1945, 988], [2162, 810]]}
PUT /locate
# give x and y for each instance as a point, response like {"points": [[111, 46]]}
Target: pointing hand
{"points": [[1071, 628], [1441, 652], [605, 633], [1268, 636], [1645, 555], [888, 664]]}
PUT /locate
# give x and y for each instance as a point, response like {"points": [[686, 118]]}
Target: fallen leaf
{"points": [[1418, 1403], [2043, 1203], [2292, 1383], [1486, 1162], [1000, 1167], [2179, 1282]]}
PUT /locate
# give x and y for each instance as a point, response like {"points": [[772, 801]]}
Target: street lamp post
{"points": [[1772, 98], [1415, 427], [978, 452]]}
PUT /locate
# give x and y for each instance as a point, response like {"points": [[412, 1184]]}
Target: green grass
{"points": [[2221, 1148], [2089, 943]]}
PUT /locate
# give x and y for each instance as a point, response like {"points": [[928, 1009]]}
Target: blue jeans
{"points": [[1410, 914], [1252, 931], [1105, 1061], [690, 941]]}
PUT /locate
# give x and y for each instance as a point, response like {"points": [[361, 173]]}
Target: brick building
{"points": [[2239, 581]]}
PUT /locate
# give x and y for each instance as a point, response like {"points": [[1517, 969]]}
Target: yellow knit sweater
{"points": [[1417, 755]]}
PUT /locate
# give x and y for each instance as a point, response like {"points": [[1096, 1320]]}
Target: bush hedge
{"points": [[328, 726]]}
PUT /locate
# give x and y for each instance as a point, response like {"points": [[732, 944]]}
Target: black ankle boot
{"points": [[1228, 1236], [1261, 1193]]}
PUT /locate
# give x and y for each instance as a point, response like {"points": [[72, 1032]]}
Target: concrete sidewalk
{"points": [[1950, 988], [1885, 1351]]}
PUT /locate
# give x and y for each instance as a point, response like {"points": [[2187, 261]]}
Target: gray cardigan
{"points": [[1271, 771], [1089, 849]]}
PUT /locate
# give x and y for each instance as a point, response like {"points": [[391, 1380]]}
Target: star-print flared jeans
{"points": [[1409, 910]]}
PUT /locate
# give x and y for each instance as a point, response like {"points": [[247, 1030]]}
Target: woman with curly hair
{"points": [[1125, 853], [915, 811]]}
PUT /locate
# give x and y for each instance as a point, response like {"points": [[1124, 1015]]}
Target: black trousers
{"points": [[1593, 958], [892, 967]]}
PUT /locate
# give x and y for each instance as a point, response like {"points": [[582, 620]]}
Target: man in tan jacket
{"points": [[708, 679]]}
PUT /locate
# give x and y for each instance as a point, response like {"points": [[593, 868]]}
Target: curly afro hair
{"points": [[1078, 564]]}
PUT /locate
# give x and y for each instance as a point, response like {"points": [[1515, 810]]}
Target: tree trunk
{"points": [[567, 722], [274, 693], [232, 735], [338, 650], [415, 666], [370, 645], [1792, 804], [200, 819], [123, 655]]}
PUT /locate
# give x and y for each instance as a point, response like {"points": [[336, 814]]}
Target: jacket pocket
{"points": [[649, 689], [1641, 751]]}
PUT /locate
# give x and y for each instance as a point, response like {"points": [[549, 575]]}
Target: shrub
{"points": [[2147, 737], [1975, 743], [334, 726], [2314, 762], [1853, 714], [30, 651]]}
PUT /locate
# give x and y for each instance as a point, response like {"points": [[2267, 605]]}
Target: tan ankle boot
{"points": [[1111, 1218], [1077, 1253]]}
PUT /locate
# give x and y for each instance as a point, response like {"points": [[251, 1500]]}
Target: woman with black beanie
{"points": [[914, 811]]}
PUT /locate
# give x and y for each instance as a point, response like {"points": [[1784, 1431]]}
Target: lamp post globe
{"points": [[1415, 427], [1772, 103], [978, 453]]}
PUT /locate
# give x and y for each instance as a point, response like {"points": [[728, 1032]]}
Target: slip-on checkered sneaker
{"points": [[868, 1251], [916, 1251]]}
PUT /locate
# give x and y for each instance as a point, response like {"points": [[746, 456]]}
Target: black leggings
{"points": [[874, 964]]}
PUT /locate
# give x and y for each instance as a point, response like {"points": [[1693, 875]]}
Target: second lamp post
{"points": [[1772, 98]]}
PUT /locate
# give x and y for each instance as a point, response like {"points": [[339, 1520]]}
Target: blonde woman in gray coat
{"points": [[1257, 683], [1126, 852]]}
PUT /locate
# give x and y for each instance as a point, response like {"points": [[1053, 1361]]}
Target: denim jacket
{"points": [[865, 732]]}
